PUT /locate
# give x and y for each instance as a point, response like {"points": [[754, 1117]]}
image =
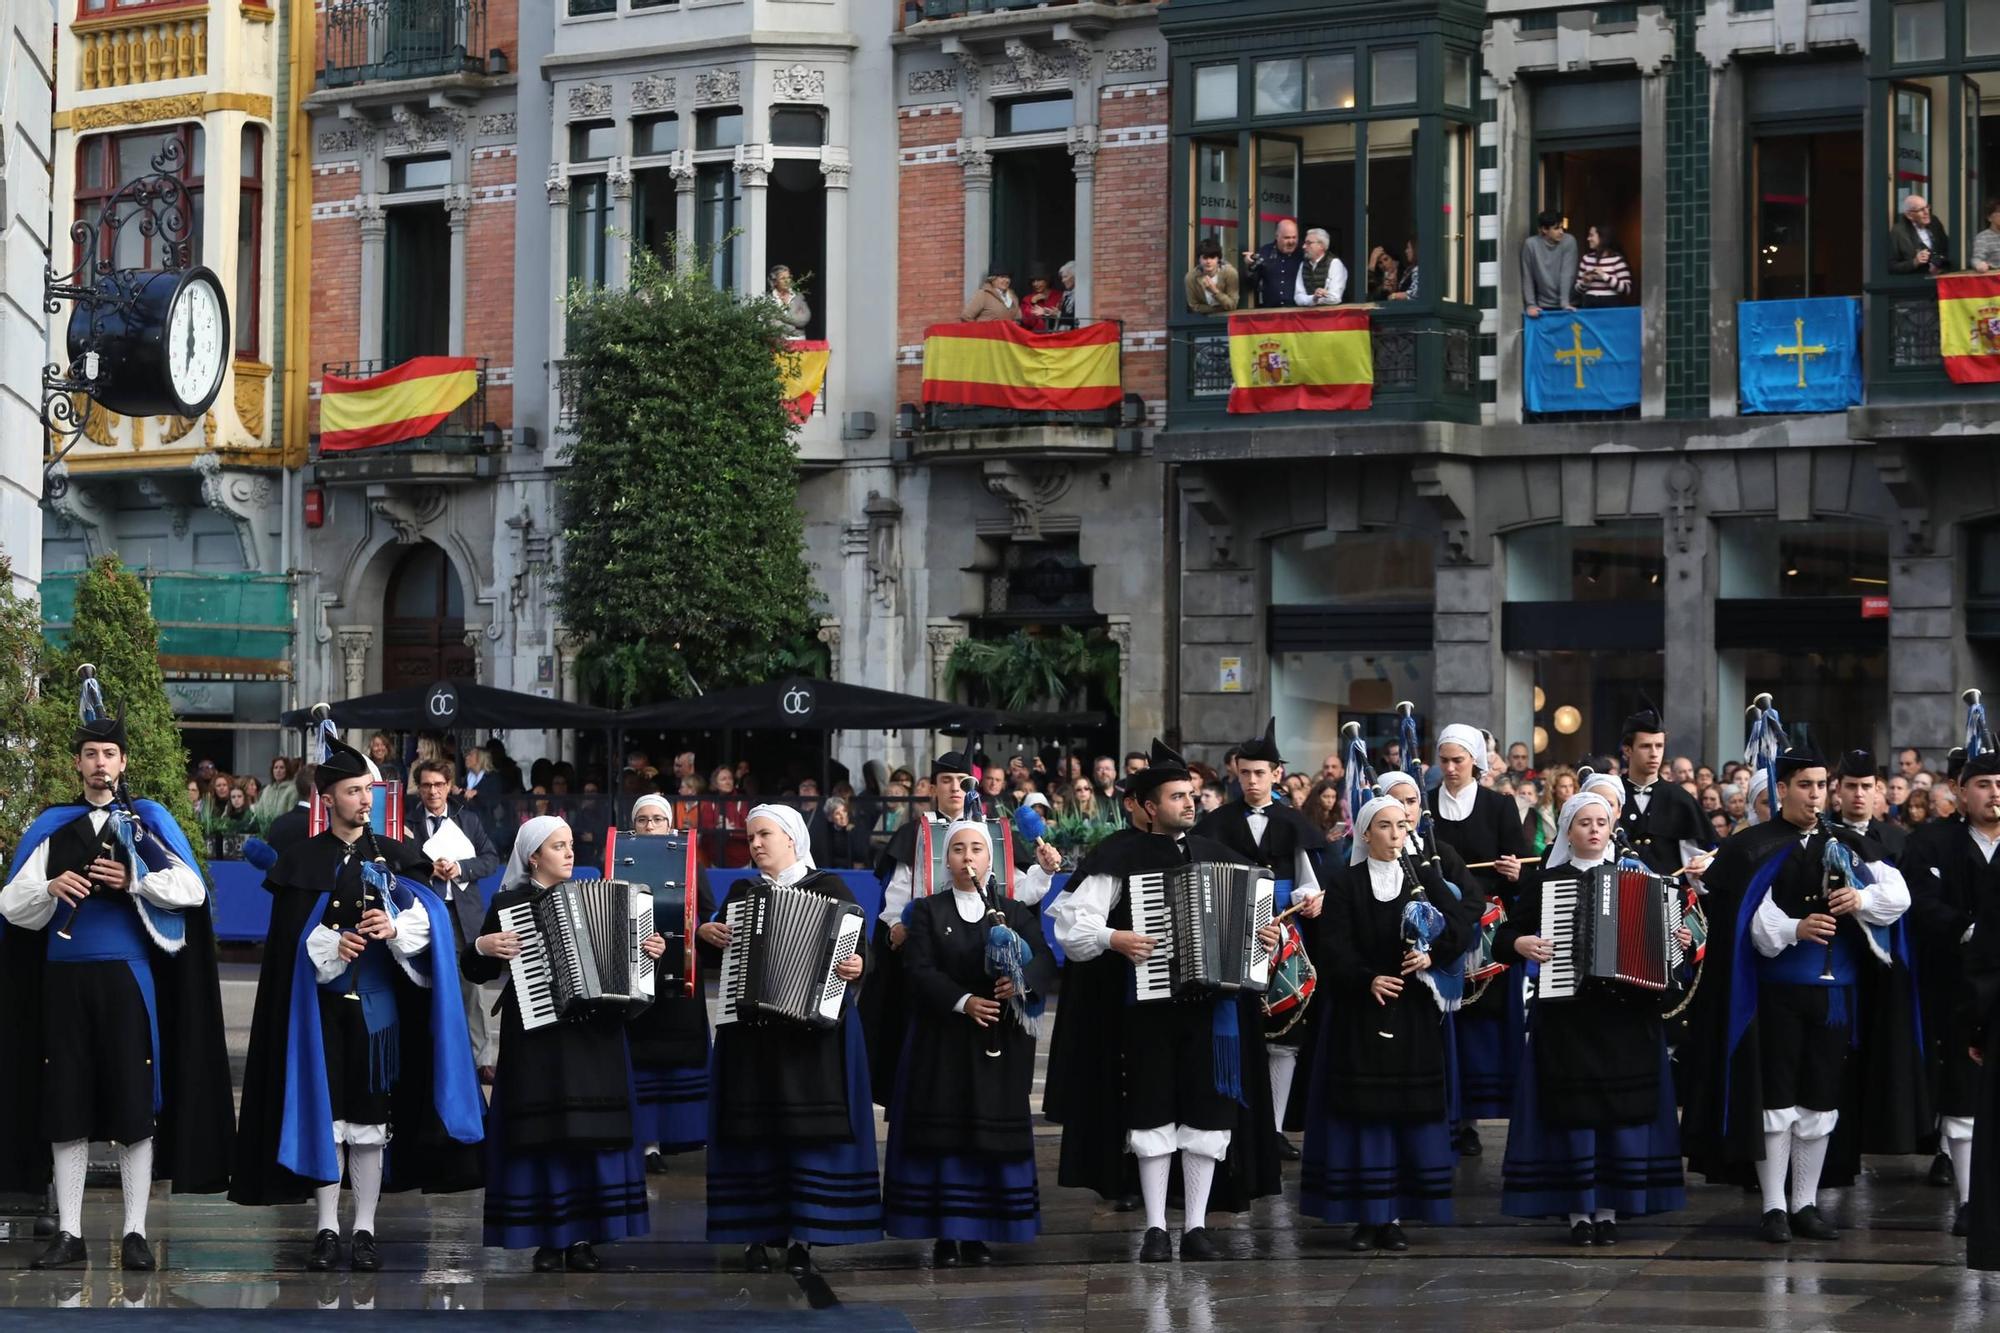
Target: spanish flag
{"points": [[405, 402], [1301, 361], [802, 368], [1969, 326], [995, 363]]}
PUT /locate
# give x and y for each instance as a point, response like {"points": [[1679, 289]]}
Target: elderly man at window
{"points": [[1322, 278], [1917, 243]]}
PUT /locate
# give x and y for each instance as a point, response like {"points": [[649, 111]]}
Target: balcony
{"points": [[158, 43], [379, 41], [964, 413], [463, 447], [985, 16]]}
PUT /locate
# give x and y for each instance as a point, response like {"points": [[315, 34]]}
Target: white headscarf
{"points": [[1359, 852], [1395, 778], [1611, 788], [794, 825], [953, 829], [1760, 785], [1471, 739], [1559, 849], [652, 800], [526, 843]]}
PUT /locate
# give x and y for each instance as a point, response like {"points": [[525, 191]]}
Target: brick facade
{"points": [[930, 229], [1130, 237]]}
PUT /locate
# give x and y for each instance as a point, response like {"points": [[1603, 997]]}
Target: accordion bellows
{"points": [[1205, 918], [581, 950]]}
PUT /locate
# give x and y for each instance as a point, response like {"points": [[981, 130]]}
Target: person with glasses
{"points": [[1917, 243], [457, 882]]}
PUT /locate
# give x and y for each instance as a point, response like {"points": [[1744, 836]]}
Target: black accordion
{"points": [[1609, 923], [1205, 918], [581, 951], [784, 945]]}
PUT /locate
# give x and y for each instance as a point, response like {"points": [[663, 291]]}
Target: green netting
{"points": [[245, 617]]}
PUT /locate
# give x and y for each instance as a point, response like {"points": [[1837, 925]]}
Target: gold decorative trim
{"points": [[259, 13], [127, 18], [148, 47], [148, 110], [165, 460], [253, 384]]}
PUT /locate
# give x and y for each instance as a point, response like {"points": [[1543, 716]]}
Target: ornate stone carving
{"points": [[458, 206], [1447, 484], [355, 641], [977, 164], [718, 85], [142, 111], [474, 640], [653, 92], [412, 131], [374, 219], [941, 637], [829, 634], [619, 176], [79, 503], [172, 429], [154, 489], [502, 123], [527, 587], [833, 166], [246, 499], [1026, 493], [339, 141], [753, 165], [253, 382], [969, 66], [558, 188], [923, 82], [1083, 149], [590, 99], [796, 83], [1683, 497], [1132, 60], [408, 509], [1031, 68]]}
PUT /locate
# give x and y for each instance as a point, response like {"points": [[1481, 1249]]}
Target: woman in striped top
{"points": [[1602, 277]]}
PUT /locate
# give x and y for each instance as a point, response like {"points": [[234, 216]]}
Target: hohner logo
{"points": [[1604, 898]]}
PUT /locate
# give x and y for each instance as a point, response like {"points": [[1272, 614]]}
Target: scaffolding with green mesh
{"points": [[212, 626]]}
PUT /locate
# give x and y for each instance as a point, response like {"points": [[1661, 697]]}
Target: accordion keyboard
{"points": [[532, 973], [1558, 976], [1152, 914], [733, 984]]}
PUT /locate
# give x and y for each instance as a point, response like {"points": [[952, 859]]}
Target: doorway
{"points": [[1034, 213], [423, 621], [1598, 186], [416, 283]]}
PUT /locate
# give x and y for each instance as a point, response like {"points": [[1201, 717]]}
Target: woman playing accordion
{"points": [[1593, 1133]]}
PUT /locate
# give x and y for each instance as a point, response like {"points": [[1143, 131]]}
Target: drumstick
{"points": [[1488, 865]]}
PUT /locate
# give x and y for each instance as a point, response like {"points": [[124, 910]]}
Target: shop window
{"points": [[1809, 206]]}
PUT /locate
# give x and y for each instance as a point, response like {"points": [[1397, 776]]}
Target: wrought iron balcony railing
{"points": [[372, 41]]}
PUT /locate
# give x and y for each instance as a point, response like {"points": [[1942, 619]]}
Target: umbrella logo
{"points": [[797, 701], [441, 703]]}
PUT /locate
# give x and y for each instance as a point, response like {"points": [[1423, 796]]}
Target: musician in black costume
{"points": [[961, 1160], [1976, 891], [563, 1169], [1663, 825], [1485, 829], [1378, 1141], [791, 1129], [1181, 1074], [885, 1012], [1273, 835], [1854, 789], [1953, 880], [113, 1026], [670, 1039], [359, 1062], [1791, 1039], [1593, 1132], [1939, 980]]}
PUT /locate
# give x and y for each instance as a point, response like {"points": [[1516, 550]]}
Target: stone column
{"points": [[374, 233], [618, 246], [567, 645], [977, 164], [941, 636], [1692, 675], [1469, 679], [753, 174], [475, 640], [684, 206], [1728, 233], [458, 212], [833, 283], [354, 641], [558, 191], [1119, 630], [1517, 220], [829, 634], [1653, 246], [1083, 157], [1923, 692]]}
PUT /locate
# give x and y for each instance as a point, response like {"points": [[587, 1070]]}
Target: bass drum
{"points": [[1480, 965], [1293, 981]]}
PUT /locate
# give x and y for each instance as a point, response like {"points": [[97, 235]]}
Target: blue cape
{"points": [[305, 1137], [164, 921]]}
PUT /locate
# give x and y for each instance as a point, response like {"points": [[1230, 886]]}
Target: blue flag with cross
{"points": [[1581, 360], [1799, 356]]}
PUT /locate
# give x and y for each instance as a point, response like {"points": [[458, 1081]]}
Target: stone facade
{"points": [[26, 61]]}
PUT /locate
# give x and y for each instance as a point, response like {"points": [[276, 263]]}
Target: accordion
{"points": [[1609, 923], [580, 950], [1205, 918], [784, 945], [665, 866], [930, 852]]}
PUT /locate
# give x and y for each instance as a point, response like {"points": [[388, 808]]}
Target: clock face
{"points": [[197, 341]]}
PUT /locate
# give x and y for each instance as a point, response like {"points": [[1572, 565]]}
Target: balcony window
{"points": [[245, 313], [656, 136], [1032, 115], [655, 213], [1280, 86], [416, 283], [592, 141], [1330, 82], [1392, 76], [1920, 28], [589, 226], [419, 173], [380, 40], [1982, 27], [1214, 92], [1214, 210], [798, 127], [585, 8], [1034, 214], [1808, 197], [795, 233], [718, 129], [1458, 89], [716, 200], [104, 162]]}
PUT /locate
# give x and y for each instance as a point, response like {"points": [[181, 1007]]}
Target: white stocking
{"points": [[1808, 1156], [72, 1161], [364, 1173], [1961, 1166], [135, 1174], [328, 1196], [1771, 1171], [1197, 1174], [1284, 1064], [1153, 1188]]}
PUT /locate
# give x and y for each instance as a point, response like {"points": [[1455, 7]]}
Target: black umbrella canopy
{"points": [[820, 705], [458, 705]]}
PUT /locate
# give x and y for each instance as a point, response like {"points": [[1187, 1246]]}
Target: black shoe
{"points": [[1389, 1236], [135, 1255], [1777, 1227], [1287, 1150], [944, 1254], [974, 1254], [325, 1252], [1126, 1203], [656, 1163], [581, 1258], [65, 1251], [1362, 1240], [1582, 1233], [1156, 1249], [1807, 1222], [1961, 1221], [1198, 1248], [1607, 1232], [1941, 1173], [548, 1259], [1467, 1142], [361, 1255], [799, 1260], [756, 1259]]}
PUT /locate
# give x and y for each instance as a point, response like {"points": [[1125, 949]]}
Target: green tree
{"points": [[32, 723], [683, 547]]}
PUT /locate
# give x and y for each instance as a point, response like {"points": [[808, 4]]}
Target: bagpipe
{"points": [[124, 831]]}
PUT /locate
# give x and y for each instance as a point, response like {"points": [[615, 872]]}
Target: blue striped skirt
{"points": [[671, 1107], [961, 1196], [557, 1198], [1489, 1054], [1553, 1171], [1376, 1171]]}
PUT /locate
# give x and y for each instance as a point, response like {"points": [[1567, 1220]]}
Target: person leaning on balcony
{"points": [[1066, 309], [1322, 277], [993, 300], [1548, 267], [1917, 243], [1986, 244], [792, 308], [1603, 278], [1273, 271], [1211, 284]]}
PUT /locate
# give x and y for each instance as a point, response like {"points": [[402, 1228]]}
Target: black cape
{"points": [[1981, 1000], [1085, 1051], [1671, 816], [195, 1127], [1950, 881], [423, 1156]]}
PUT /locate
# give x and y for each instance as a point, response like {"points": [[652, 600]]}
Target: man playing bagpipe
{"points": [[1285, 842], [359, 1031], [1150, 1079], [1809, 1017], [114, 1027]]}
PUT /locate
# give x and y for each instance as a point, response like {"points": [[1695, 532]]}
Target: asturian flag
{"points": [[1581, 360], [1799, 356]]}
